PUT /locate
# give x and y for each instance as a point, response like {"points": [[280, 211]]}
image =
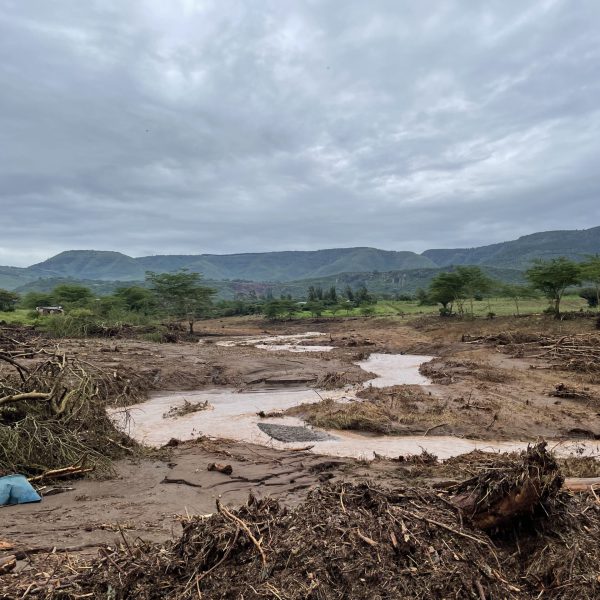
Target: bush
{"points": [[590, 296]]}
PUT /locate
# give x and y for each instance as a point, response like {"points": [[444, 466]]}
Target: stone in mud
{"points": [[290, 433]]}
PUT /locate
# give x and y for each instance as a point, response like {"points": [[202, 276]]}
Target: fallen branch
{"points": [[64, 472], [245, 527], [24, 396], [180, 481], [434, 427]]}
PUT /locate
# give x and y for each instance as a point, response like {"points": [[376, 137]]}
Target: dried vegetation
{"points": [[571, 352], [394, 410], [519, 537], [52, 409]]}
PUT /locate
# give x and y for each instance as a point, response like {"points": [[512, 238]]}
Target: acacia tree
{"points": [[552, 278], [474, 282], [464, 283], [73, 294], [444, 289], [180, 295], [590, 271], [136, 299]]}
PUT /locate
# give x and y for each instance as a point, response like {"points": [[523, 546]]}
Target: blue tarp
{"points": [[15, 489]]}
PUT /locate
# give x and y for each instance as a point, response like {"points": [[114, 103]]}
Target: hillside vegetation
{"points": [[384, 271], [519, 254]]}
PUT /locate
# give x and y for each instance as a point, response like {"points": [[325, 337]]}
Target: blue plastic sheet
{"points": [[15, 489]]}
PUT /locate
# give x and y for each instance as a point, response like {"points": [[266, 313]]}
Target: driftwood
{"points": [[78, 469], [580, 352], [499, 496], [581, 484], [518, 501], [7, 563]]}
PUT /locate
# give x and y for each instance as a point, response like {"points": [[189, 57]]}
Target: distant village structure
{"points": [[49, 310]]}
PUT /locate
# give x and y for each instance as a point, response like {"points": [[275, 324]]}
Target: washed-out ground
{"points": [[478, 392]]}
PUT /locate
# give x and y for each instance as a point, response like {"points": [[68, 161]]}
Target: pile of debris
{"points": [[507, 533], [577, 352], [52, 410]]}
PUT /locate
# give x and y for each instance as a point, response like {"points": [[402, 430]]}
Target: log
{"points": [[180, 481], [581, 484]]}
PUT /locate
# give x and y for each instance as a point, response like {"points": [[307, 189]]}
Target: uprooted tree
{"points": [[52, 410], [180, 295]]}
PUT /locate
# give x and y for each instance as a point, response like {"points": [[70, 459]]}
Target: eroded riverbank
{"points": [[256, 417]]}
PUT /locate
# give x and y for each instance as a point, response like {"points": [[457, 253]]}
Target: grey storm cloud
{"points": [[194, 126]]}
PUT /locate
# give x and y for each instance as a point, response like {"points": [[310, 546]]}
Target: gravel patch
{"points": [[291, 433]]}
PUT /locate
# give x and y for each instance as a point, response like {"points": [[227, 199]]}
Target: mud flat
{"points": [[237, 416]]}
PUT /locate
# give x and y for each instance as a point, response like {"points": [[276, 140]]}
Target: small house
{"points": [[49, 310]]}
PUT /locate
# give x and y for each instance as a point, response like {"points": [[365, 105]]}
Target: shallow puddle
{"points": [[395, 369]]}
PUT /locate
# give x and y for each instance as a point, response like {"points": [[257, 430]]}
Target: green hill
{"points": [[266, 266], [519, 254], [289, 268]]}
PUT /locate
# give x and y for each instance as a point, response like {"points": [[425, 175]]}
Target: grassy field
{"points": [[499, 306], [20, 315]]}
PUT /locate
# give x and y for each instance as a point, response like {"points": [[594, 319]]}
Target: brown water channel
{"points": [[234, 415]]}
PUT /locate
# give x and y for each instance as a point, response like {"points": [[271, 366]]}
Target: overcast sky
{"points": [[194, 126]]}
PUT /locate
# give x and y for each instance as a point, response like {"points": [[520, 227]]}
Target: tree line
{"points": [[457, 290], [180, 297]]}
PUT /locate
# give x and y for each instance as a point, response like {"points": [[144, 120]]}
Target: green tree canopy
{"points": [[137, 299], [445, 288], [180, 295], [33, 299], [590, 296], [72, 294], [278, 308], [464, 283], [553, 277], [8, 300]]}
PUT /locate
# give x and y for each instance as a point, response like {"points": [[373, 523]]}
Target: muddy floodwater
{"points": [[395, 369], [234, 415]]}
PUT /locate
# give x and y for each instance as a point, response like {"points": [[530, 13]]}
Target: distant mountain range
{"points": [[385, 269]]}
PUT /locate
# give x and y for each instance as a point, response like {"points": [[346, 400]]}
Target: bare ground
{"points": [[479, 392]]}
